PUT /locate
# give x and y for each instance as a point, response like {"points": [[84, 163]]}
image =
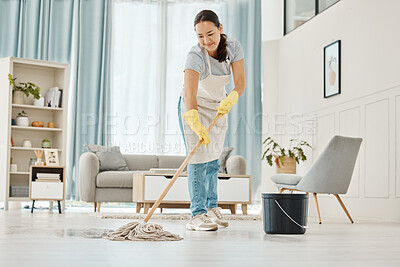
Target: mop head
{"points": [[135, 231]]}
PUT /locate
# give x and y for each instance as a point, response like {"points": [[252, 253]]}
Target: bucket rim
{"points": [[284, 196]]}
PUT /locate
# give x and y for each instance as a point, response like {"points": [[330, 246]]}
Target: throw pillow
{"points": [[110, 158], [222, 159]]}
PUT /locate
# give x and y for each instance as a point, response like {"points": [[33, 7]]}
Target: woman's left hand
{"points": [[226, 104]]}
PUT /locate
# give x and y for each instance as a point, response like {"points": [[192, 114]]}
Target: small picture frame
{"points": [[332, 63], [51, 157]]}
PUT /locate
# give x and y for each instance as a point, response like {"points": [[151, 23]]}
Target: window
{"points": [[324, 4], [150, 42], [297, 12]]}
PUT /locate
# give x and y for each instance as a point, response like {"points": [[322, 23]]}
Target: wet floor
{"points": [[77, 239]]}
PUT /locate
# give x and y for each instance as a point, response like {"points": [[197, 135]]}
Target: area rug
{"points": [[171, 216]]}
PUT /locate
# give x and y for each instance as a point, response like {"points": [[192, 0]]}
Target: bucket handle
{"points": [[301, 226]]}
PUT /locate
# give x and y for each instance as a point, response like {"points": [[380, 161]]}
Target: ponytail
{"points": [[221, 50]]}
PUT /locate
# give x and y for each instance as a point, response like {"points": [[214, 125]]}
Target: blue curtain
{"points": [[36, 29], [89, 105], [245, 122], [74, 32]]}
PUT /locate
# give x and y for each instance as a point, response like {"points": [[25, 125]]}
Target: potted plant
{"points": [[285, 160], [46, 143], [22, 119], [19, 90]]}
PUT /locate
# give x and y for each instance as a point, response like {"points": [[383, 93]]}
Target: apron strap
{"points": [[209, 64], [208, 60]]}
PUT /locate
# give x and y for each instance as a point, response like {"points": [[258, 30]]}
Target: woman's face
{"points": [[208, 35]]}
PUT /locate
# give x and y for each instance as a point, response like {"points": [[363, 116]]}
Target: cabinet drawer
{"points": [[155, 185], [43, 190], [234, 189]]}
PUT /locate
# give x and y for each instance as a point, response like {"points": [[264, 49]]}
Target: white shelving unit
{"points": [[45, 75]]}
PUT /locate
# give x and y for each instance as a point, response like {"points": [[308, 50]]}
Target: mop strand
{"points": [[135, 231]]}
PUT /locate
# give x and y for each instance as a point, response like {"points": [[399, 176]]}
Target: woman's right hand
{"points": [[193, 120]]}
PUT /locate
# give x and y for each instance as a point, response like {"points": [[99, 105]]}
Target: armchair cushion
{"points": [[286, 178], [110, 158]]}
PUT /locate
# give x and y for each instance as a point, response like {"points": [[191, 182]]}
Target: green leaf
{"points": [[266, 140], [269, 159]]}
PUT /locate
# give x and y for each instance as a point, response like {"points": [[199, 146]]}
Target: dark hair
{"points": [[208, 15]]}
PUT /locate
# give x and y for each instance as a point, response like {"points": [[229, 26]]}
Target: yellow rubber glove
{"points": [[193, 120], [226, 104]]}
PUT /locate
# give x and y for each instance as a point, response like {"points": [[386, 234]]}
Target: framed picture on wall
{"points": [[332, 63], [51, 157]]}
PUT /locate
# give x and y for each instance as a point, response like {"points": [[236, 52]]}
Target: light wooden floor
{"points": [[51, 239]]}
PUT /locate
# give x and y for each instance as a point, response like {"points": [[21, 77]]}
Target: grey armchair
{"points": [[330, 174]]}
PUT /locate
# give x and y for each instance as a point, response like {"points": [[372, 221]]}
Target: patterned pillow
{"points": [[110, 158]]}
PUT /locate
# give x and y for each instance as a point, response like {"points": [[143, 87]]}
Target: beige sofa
{"points": [[116, 186]]}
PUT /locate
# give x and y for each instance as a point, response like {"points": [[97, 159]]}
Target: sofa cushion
{"points": [[170, 161], [110, 158], [141, 162], [115, 179]]}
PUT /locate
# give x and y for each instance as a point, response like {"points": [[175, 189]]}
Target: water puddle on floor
{"points": [[85, 233], [93, 233]]}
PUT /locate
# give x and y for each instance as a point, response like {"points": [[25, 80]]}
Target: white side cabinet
{"points": [[45, 75], [49, 189]]}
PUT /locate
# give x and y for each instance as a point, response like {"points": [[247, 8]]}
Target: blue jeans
{"points": [[202, 180]]}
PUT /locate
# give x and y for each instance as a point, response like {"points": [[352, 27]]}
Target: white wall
{"points": [[272, 19], [369, 105]]}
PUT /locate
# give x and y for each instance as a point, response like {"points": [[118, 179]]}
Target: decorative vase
{"points": [[288, 166], [39, 162], [18, 97], [32, 161], [26, 143], [28, 100], [39, 102], [22, 121], [46, 143]]}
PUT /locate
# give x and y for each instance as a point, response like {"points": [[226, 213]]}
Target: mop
{"points": [[144, 231]]}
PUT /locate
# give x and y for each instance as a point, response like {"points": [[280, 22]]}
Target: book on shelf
{"points": [[54, 97], [48, 180], [47, 175]]}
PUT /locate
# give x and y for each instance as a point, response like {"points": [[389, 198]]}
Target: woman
{"points": [[207, 71]]}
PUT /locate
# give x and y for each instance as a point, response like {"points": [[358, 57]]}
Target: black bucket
{"points": [[285, 213]]}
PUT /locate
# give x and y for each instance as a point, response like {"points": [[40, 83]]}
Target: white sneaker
{"points": [[201, 222], [216, 216]]}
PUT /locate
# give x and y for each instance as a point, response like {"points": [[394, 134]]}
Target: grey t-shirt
{"points": [[196, 59]]}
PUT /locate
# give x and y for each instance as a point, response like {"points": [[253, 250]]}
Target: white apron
{"points": [[210, 93]]}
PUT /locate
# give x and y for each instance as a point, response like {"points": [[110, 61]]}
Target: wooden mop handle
{"points": [[179, 171]]}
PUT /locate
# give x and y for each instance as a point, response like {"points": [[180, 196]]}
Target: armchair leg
{"points": [[138, 207], [95, 206], [98, 206], [281, 190], [344, 207], [316, 204]]}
